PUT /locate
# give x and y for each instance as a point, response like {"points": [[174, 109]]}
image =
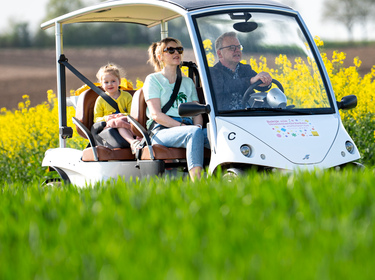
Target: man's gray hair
{"points": [[220, 39]]}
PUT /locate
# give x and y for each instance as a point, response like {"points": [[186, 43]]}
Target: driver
{"points": [[231, 78]]}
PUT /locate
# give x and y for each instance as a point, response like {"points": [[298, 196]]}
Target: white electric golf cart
{"points": [[295, 125]]}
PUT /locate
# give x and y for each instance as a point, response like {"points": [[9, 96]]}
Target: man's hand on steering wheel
{"points": [[264, 77], [250, 90]]}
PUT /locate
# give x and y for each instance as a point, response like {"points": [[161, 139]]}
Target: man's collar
{"points": [[228, 69]]}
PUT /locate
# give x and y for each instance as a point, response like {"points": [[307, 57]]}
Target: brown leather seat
{"points": [[85, 110], [85, 114], [138, 112], [105, 154]]}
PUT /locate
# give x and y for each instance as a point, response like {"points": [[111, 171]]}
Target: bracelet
{"points": [[181, 124]]}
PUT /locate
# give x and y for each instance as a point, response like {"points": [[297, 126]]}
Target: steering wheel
{"points": [[250, 90]]}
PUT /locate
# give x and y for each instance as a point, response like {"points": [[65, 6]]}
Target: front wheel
{"points": [[350, 165], [232, 174]]}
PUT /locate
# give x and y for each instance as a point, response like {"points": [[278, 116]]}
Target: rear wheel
{"points": [[57, 182], [54, 182]]}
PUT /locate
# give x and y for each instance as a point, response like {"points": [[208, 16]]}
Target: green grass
{"points": [[316, 225]]}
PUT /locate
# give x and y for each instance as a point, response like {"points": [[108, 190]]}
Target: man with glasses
{"points": [[231, 78]]}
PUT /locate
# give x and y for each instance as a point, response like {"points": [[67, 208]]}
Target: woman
{"points": [[169, 129]]}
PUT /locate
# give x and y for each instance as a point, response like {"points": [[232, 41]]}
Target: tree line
{"points": [[350, 13], [19, 35], [100, 34]]}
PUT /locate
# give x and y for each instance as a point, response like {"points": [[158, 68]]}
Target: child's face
{"points": [[110, 83]]}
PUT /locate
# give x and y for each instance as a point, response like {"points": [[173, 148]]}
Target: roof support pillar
{"points": [[164, 29], [61, 87]]}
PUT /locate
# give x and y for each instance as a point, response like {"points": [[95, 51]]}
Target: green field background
{"points": [[317, 225]]}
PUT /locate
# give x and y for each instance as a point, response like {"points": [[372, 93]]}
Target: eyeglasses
{"points": [[233, 47], [171, 50]]}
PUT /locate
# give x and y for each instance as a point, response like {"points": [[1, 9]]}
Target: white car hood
{"points": [[300, 139]]}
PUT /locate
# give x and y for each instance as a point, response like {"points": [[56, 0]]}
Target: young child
{"points": [[109, 77]]}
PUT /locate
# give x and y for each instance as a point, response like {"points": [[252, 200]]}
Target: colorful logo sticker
{"points": [[293, 128]]}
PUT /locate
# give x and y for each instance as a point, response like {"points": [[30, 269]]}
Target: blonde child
{"points": [[110, 78]]}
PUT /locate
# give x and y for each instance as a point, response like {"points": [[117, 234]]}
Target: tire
{"points": [[57, 182], [54, 182], [232, 174], [351, 165]]}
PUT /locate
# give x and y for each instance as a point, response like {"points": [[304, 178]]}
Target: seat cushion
{"points": [[165, 153], [162, 152], [106, 154]]}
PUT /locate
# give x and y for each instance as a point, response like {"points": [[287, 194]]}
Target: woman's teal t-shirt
{"points": [[158, 86]]}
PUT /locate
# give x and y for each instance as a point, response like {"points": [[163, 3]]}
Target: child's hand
{"points": [[119, 115], [113, 116]]}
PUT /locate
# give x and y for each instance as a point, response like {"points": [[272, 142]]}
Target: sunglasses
{"points": [[171, 50]]}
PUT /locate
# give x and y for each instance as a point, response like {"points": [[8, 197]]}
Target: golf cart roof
{"points": [[147, 12]]}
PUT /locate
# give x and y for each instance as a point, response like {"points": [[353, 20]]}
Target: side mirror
{"points": [[347, 102], [190, 109]]}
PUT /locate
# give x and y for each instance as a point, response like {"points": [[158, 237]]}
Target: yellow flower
{"points": [[126, 84], [207, 44], [318, 41], [185, 70], [357, 62], [21, 105], [210, 59], [338, 57], [139, 84]]}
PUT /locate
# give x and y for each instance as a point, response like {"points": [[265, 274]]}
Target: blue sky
{"points": [[311, 11]]}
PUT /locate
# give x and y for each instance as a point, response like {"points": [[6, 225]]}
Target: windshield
{"points": [[257, 42]]}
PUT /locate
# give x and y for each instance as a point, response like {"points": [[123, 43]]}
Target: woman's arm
{"points": [[198, 120], [158, 116]]}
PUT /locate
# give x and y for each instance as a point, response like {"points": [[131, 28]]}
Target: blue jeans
{"points": [[191, 137]]}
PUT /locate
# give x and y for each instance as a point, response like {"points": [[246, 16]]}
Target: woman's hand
{"points": [[198, 120]]}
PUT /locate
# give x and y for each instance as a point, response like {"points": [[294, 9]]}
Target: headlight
{"points": [[246, 150], [349, 147]]}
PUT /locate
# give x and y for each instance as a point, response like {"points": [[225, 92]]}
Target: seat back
{"points": [[85, 109], [138, 110]]}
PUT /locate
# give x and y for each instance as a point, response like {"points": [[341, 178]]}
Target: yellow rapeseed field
{"points": [[33, 128]]}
